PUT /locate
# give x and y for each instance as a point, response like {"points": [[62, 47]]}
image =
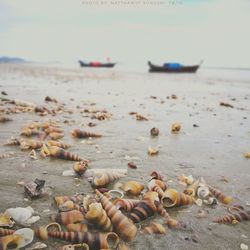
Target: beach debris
{"points": [[154, 228], [13, 142], [4, 93], [132, 165], [153, 151], [6, 220], [37, 245], [157, 186], [154, 131], [23, 216], [225, 104], [77, 133], [6, 155], [140, 117], [195, 125], [244, 246], [50, 99], [247, 155], [82, 246], [35, 189], [132, 187], [4, 119], [176, 127]]}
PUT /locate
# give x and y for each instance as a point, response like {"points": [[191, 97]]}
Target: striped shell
{"points": [[43, 232], [58, 144], [68, 217], [68, 206], [78, 227], [30, 144], [192, 189], [220, 196], [157, 186], [234, 218], [172, 198], [122, 225], [126, 204], [156, 175], [103, 179], [60, 153], [7, 242], [154, 228], [97, 216], [4, 232], [133, 187], [77, 133]]}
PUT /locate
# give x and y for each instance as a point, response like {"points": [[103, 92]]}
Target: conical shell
{"points": [[6, 220], [154, 228], [69, 217], [192, 189], [43, 232], [156, 175], [126, 204], [157, 186], [95, 241], [60, 153], [133, 187], [77, 133], [172, 198], [4, 232], [78, 227], [103, 179], [30, 144], [61, 199], [97, 216], [176, 127], [80, 167], [58, 144], [122, 225], [13, 241], [220, 196], [68, 206], [82, 246], [234, 218], [56, 136]]}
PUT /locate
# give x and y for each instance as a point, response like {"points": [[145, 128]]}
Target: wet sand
{"points": [[213, 150]]}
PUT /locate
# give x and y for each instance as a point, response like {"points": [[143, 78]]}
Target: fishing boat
{"points": [[96, 64], [173, 68]]}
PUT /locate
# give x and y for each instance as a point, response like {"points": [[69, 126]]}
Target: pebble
{"points": [[243, 246]]}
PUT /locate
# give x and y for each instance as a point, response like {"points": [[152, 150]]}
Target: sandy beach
{"points": [[211, 144]]}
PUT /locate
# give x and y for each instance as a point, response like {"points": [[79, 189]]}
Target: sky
{"points": [[217, 31]]}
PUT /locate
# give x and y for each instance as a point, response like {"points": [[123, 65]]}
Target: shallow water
{"points": [[213, 150]]}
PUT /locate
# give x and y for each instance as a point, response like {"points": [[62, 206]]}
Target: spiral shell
{"points": [[80, 167], [154, 131], [10, 241], [157, 186], [61, 199], [58, 144], [13, 142], [52, 129], [29, 132], [126, 204], [103, 179], [78, 227], [154, 228], [68, 206], [203, 192], [172, 198], [95, 241], [133, 187], [234, 218], [4, 232], [6, 220], [60, 153], [156, 175], [77, 133], [176, 127], [30, 144], [220, 196], [56, 136], [69, 217], [82, 246], [98, 217], [122, 226], [174, 224], [43, 232], [192, 189]]}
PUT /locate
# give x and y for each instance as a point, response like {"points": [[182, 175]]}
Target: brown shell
{"points": [[234, 218], [43, 232], [56, 136], [154, 131], [58, 144], [176, 127], [5, 119], [13, 142], [172, 198], [133, 187], [80, 167], [126, 204], [154, 228], [69, 217], [60, 153], [220, 196], [6, 242], [4, 232], [192, 189], [77, 133], [95, 241], [122, 225], [52, 129], [157, 186], [82, 246], [29, 132], [61, 199], [30, 144], [156, 175], [104, 178], [97, 216], [78, 227]]}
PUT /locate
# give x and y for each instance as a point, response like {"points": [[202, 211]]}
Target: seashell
{"points": [[23, 216], [67, 206], [43, 232], [37, 245], [174, 224], [49, 99], [122, 226], [11, 242], [203, 192], [82, 246], [132, 165], [98, 217], [172, 198], [69, 217], [140, 117], [87, 200], [80, 167], [77, 133], [56, 136], [32, 155], [161, 210], [95, 241], [234, 218], [247, 155], [152, 196], [154, 131], [30, 144], [52, 129], [103, 179], [78, 227], [192, 189], [114, 194], [13, 142], [27, 235], [4, 232], [186, 179], [154, 228], [210, 201], [157, 186], [220, 196], [6, 220], [29, 132], [153, 151], [176, 127], [4, 119], [126, 204], [61, 199], [60, 153], [133, 187], [58, 144], [156, 175]]}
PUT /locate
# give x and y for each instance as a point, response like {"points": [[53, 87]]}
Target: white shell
{"points": [[37, 245], [69, 173], [202, 192], [27, 235]]}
